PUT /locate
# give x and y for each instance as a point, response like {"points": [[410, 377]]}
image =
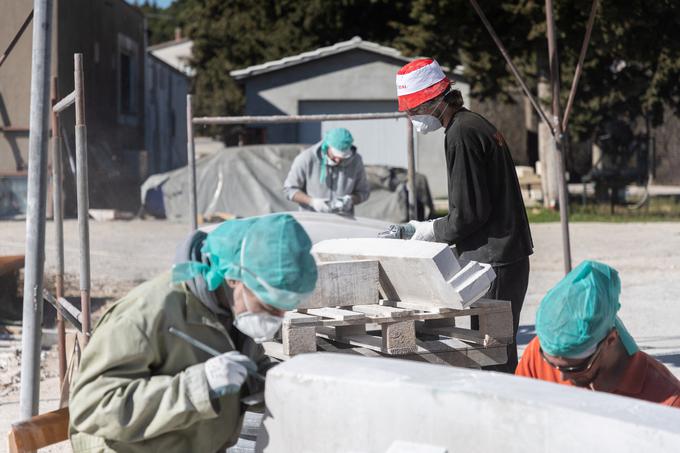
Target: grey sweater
{"points": [[347, 178]]}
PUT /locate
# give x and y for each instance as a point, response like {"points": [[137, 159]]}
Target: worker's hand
{"points": [[347, 203], [320, 205], [398, 231], [227, 372], [424, 230]]}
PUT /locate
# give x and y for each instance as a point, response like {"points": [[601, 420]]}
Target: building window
{"points": [[129, 75], [126, 101]]}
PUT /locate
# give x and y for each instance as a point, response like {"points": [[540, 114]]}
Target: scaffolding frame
{"points": [[280, 119]]}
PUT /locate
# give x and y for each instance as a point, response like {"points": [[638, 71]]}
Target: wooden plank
{"points": [[39, 431], [348, 331], [293, 318], [382, 311], [11, 263], [336, 313], [456, 332], [344, 283]]}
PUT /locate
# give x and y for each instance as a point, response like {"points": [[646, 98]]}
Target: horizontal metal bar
{"points": [[67, 310], [14, 129], [65, 103], [294, 118]]}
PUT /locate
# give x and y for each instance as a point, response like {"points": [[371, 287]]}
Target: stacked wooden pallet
{"points": [[359, 307]]}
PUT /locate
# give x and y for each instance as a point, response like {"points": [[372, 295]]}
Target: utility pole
{"points": [[36, 205], [559, 145]]}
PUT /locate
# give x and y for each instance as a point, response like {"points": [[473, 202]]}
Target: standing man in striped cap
{"points": [[487, 221]]}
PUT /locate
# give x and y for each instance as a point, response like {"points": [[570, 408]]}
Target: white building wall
{"points": [[355, 75]]}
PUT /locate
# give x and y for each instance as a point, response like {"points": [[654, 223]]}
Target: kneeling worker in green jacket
{"points": [[140, 388]]}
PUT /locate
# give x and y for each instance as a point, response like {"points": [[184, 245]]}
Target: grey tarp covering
{"points": [[248, 180]]}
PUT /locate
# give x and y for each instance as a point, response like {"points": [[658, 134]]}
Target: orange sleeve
{"points": [[527, 364], [675, 402]]}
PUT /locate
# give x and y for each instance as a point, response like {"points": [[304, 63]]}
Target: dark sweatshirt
{"points": [[487, 220]]}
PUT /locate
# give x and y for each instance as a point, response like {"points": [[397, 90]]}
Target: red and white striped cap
{"points": [[419, 81]]}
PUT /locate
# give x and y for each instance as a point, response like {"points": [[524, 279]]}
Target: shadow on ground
{"points": [[525, 334], [669, 359]]}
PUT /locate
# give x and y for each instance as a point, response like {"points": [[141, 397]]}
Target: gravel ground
{"points": [[124, 253]]}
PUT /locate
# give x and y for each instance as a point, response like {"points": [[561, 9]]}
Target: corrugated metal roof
{"points": [[344, 46]]}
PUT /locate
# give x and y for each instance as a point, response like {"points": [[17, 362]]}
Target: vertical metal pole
{"points": [[82, 192], [411, 174], [559, 137], [579, 65], [35, 212], [191, 161], [57, 200]]}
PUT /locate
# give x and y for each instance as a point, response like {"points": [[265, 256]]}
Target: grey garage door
{"points": [[381, 142]]}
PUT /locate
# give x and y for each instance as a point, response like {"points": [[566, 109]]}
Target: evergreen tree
{"points": [[631, 69]]}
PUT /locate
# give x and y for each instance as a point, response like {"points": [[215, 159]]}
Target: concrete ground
{"points": [[646, 255]]}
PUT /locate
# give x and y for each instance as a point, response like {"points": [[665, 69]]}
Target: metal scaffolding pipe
{"points": [[411, 174], [512, 66], [276, 119], [191, 162], [579, 65], [82, 193], [35, 212], [58, 214], [16, 38], [558, 136], [65, 103]]}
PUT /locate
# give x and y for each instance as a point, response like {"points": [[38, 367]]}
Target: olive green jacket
{"points": [[141, 389]]}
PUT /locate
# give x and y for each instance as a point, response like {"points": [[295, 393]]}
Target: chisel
{"points": [[204, 347]]}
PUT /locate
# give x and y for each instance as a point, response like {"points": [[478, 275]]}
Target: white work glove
{"points": [[347, 203], [424, 230], [320, 205], [227, 372]]}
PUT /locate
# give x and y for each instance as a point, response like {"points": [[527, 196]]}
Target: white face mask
{"points": [[260, 326], [330, 162], [424, 124]]}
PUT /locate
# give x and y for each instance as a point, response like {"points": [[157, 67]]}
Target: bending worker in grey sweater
{"points": [[328, 176]]}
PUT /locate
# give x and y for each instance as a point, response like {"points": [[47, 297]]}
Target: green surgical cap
{"points": [[580, 311], [269, 254], [339, 138]]}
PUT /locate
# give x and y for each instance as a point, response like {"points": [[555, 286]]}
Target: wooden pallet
{"points": [[401, 330]]}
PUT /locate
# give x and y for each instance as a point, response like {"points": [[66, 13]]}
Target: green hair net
{"points": [[580, 311], [269, 254], [339, 138]]}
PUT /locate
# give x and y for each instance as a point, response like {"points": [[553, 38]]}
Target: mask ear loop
{"points": [[439, 117]]}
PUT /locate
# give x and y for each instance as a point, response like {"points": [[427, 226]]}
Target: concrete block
{"points": [[417, 272], [399, 338], [344, 283], [298, 340], [495, 324], [388, 400], [473, 281]]}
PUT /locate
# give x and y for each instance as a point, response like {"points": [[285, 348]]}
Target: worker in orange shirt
{"points": [[582, 342]]}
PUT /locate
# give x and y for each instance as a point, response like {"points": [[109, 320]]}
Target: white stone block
{"points": [[344, 283], [342, 403], [425, 274]]}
